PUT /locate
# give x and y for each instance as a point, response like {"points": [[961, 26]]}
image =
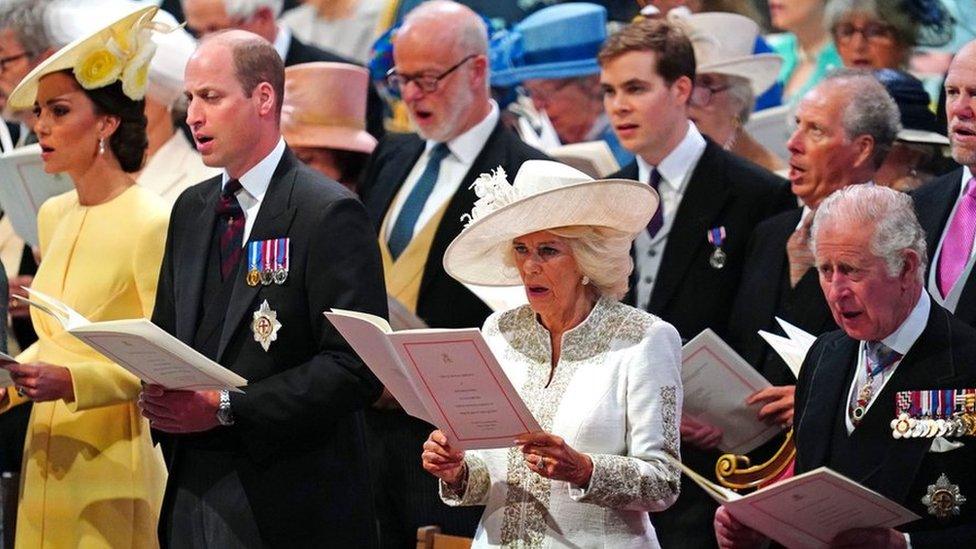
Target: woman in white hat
{"points": [[91, 476], [602, 379], [728, 78]]}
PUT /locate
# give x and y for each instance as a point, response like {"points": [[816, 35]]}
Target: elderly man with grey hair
{"points": [[24, 43], [857, 385], [204, 17], [844, 128]]}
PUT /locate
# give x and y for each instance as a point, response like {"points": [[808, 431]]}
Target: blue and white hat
{"points": [[560, 41]]}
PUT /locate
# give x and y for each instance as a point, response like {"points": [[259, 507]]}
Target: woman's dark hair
{"points": [[129, 142]]}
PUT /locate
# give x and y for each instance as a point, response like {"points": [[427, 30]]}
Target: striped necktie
{"points": [[230, 219]]}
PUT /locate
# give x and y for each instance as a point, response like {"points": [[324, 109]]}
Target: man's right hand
{"points": [[443, 461], [732, 534], [700, 435]]}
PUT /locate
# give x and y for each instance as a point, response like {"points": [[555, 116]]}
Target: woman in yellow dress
{"points": [[91, 476]]}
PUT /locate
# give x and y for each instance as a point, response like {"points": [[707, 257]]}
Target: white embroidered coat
{"points": [[616, 396]]}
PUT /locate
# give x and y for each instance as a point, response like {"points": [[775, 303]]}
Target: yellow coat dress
{"points": [[91, 476]]}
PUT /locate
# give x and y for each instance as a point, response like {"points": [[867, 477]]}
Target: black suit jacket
{"points": [[300, 52], [443, 302], [724, 190], [933, 204], [299, 426], [899, 469], [764, 287]]}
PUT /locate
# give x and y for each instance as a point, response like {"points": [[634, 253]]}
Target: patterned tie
{"points": [[230, 218], [958, 242], [402, 230], [657, 221], [798, 251]]}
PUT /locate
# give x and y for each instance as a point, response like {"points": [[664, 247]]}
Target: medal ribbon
{"points": [[253, 255], [716, 236], [268, 258], [281, 254]]}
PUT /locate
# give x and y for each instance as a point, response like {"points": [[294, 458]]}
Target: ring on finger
{"points": [[21, 391]]}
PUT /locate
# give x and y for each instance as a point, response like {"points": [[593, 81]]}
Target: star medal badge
{"points": [[716, 237], [943, 499], [265, 325]]}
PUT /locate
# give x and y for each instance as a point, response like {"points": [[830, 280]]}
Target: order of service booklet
{"points": [[446, 377], [24, 186], [144, 349], [807, 511]]}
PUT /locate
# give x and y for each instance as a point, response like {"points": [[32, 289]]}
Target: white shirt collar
{"points": [[468, 145], [902, 339], [677, 166], [282, 41], [256, 180]]}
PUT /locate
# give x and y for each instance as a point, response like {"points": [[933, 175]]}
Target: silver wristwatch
{"points": [[224, 414]]}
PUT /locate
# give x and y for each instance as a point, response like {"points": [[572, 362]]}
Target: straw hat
{"points": [[560, 41], [120, 50], [724, 44], [325, 106], [545, 195]]}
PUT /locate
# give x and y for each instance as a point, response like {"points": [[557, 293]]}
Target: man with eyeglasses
{"points": [[205, 17], [416, 188], [688, 263]]}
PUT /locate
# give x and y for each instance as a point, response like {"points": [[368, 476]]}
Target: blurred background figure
{"points": [[552, 54], [880, 34], [921, 152], [728, 77], [328, 135], [347, 27], [805, 45]]}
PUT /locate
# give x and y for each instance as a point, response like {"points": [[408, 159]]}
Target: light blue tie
{"points": [[403, 228]]}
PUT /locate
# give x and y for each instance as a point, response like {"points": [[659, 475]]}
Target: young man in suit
{"points": [[283, 463], [689, 262], [261, 18], [416, 188], [870, 253], [845, 127], [947, 205]]}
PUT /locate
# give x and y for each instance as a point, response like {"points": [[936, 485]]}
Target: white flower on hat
{"points": [[135, 75], [493, 191], [98, 66]]}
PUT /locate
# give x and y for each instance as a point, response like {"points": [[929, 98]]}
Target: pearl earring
{"points": [[101, 146], [586, 280]]}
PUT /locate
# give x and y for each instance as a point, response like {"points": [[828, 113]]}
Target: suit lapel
{"points": [[830, 380], [195, 251], [703, 201], [391, 179], [273, 221]]}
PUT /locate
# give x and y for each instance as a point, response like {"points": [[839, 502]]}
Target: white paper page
{"points": [[402, 318], [719, 493], [471, 398], [68, 317], [24, 186], [808, 510], [790, 351], [716, 382], [594, 158], [375, 350], [500, 298], [796, 334], [155, 356]]}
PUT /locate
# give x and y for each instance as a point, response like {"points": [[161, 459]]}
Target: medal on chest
{"points": [[265, 325]]}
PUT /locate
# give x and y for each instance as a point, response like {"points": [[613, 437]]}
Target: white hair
{"points": [[602, 255], [244, 9], [889, 212]]}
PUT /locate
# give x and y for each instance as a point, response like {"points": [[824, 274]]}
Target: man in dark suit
{"points": [[870, 252], [416, 188], [260, 17], [689, 262], [946, 205], [283, 463], [845, 127]]}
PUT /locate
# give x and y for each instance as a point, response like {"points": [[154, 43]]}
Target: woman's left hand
{"points": [[41, 382], [550, 456]]}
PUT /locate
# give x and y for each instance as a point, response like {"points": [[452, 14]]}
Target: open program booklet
{"points": [[142, 348], [24, 186], [808, 510], [448, 378]]}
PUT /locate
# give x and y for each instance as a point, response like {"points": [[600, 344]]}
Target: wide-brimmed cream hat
{"points": [[545, 195], [121, 50], [325, 106], [724, 44]]}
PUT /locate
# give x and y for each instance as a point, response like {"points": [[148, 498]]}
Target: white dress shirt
{"points": [[464, 148], [901, 340], [675, 170], [254, 185]]}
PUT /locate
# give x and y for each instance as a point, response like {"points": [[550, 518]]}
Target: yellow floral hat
{"points": [[119, 51]]}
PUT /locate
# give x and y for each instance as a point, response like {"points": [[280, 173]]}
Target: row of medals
{"points": [[960, 424], [266, 277]]}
